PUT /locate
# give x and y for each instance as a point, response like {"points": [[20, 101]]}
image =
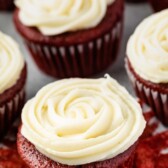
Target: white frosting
{"points": [[11, 62], [148, 48], [53, 17], [78, 121]]}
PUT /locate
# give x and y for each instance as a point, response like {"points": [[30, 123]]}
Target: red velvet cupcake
{"points": [[12, 82], [79, 39], [159, 5], [6, 5], [84, 123], [147, 63]]}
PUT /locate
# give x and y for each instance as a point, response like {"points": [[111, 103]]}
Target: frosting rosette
{"points": [[147, 48], [78, 121], [53, 17], [11, 62]]}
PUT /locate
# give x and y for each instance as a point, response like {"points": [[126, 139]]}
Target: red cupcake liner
{"points": [[78, 60], [156, 100], [11, 103], [10, 110], [6, 5], [159, 5]]}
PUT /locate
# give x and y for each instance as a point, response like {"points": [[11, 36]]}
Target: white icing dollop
{"points": [[11, 62], [78, 121], [147, 48], [53, 17]]}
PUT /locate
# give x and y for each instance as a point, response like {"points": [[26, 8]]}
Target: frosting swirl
{"points": [[78, 121], [53, 17], [11, 62], [148, 48]]}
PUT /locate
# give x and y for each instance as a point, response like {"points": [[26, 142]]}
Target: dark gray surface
{"points": [[133, 15]]}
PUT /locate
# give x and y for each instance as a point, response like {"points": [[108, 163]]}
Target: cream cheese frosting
{"points": [[53, 17], [147, 48], [11, 62], [78, 121]]}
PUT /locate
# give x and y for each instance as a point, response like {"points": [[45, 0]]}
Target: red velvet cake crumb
{"points": [[149, 152], [152, 124], [9, 158]]}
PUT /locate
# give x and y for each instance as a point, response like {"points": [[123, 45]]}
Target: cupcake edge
{"points": [[154, 95], [11, 103]]}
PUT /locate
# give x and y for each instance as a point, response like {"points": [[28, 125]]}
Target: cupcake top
{"points": [[53, 17], [147, 48], [11, 62], [79, 121]]}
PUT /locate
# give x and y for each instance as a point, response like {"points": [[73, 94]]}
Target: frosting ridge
{"points": [[53, 17], [147, 48], [78, 121], [11, 62]]}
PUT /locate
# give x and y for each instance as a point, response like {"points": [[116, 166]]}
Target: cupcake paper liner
{"points": [[156, 100], [11, 102], [159, 5], [78, 60], [6, 5], [10, 110]]}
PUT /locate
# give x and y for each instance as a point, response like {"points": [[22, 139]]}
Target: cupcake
{"points": [[159, 5], [80, 123], [6, 5], [12, 82], [147, 63], [71, 39]]}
